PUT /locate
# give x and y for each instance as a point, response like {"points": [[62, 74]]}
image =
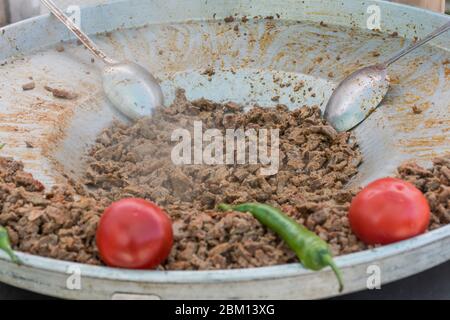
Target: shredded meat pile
{"points": [[315, 163], [134, 161], [57, 224], [435, 184]]}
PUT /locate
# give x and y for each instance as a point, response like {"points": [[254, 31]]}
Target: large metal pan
{"points": [[178, 40]]}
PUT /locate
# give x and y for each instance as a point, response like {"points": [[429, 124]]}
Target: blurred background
{"points": [[16, 10]]}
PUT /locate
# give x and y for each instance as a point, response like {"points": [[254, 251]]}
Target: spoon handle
{"points": [[77, 31], [429, 37]]}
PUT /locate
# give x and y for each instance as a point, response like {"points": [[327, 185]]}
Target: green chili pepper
{"points": [[312, 251], [5, 245], [2, 145]]}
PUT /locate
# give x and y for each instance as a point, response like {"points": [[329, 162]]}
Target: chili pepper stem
{"points": [[329, 261]]}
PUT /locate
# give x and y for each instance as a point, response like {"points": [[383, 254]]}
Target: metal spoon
{"points": [[358, 95], [130, 87]]}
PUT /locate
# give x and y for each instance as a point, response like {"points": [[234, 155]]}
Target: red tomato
{"points": [[134, 234], [389, 210]]}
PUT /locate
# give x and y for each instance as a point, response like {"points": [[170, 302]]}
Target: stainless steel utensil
{"points": [[358, 95], [130, 87]]}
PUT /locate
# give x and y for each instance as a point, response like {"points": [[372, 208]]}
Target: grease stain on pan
{"points": [[291, 48]]}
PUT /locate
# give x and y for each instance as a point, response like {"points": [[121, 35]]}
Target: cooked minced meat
{"points": [[57, 224], [134, 161]]}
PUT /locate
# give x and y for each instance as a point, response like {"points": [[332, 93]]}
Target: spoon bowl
{"points": [[133, 90], [356, 97]]}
